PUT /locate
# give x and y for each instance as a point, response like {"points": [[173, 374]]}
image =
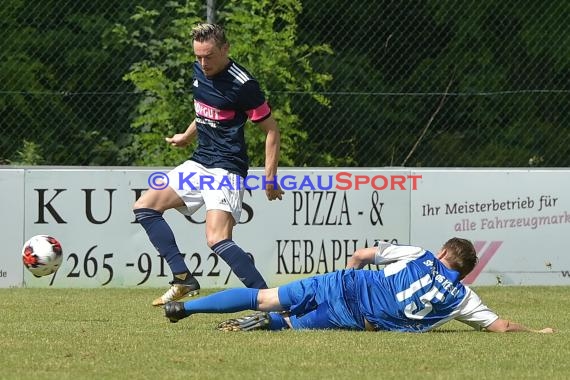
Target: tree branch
{"points": [[441, 102]]}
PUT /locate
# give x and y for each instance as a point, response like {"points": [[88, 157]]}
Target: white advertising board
{"points": [[519, 221], [11, 227], [321, 220]]}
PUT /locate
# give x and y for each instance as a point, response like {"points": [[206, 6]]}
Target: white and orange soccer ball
{"points": [[42, 255]]}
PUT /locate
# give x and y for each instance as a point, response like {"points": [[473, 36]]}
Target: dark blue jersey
{"points": [[223, 104]]}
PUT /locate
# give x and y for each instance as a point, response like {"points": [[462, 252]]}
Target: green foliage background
{"points": [[164, 77], [351, 83]]}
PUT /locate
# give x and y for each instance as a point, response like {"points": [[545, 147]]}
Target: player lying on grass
{"points": [[416, 291]]}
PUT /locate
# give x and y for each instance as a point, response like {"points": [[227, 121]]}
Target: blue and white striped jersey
{"points": [[416, 292]]}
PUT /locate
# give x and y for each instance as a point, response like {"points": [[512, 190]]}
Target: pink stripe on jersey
{"points": [[259, 112], [212, 113]]}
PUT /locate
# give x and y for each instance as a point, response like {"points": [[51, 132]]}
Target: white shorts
{"points": [[197, 185]]}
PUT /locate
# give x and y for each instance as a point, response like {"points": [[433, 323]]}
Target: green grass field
{"points": [[116, 334]]}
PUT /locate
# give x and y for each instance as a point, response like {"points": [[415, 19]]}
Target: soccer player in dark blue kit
{"points": [[416, 291], [225, 96]]}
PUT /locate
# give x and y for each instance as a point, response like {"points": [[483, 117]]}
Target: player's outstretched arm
{"points": [[183, 139], [361, 257], [382, 253], [272, 147], [504, 325]]}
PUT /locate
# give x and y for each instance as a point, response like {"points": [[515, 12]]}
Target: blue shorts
{"points": [[326, 301]]}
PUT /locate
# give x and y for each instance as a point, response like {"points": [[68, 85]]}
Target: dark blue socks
{"points": [[226, 301], [161, 236], [240, 262]]}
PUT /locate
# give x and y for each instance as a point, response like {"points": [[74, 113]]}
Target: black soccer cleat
{"points": [[174, 311], [255, 321]]}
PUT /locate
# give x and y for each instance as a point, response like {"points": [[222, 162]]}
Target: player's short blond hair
{"points": [[462, 255], [206, 32]]}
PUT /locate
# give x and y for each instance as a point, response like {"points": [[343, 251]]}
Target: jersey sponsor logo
{"points": [[485, 252], [212, 113]]}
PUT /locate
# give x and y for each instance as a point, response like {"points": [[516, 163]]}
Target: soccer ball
{"points": [[42, 255]]}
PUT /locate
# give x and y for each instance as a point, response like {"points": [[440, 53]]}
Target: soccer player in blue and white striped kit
{"points": [[416, 291]]}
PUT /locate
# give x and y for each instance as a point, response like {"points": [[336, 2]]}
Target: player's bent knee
{"points": [[159, 200], [268, 300], [137, 205], [212, 241], [144, 201], [214, 238]]}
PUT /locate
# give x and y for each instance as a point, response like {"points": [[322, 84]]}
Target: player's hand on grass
{"points": [[546, 330], [273, 192]]}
